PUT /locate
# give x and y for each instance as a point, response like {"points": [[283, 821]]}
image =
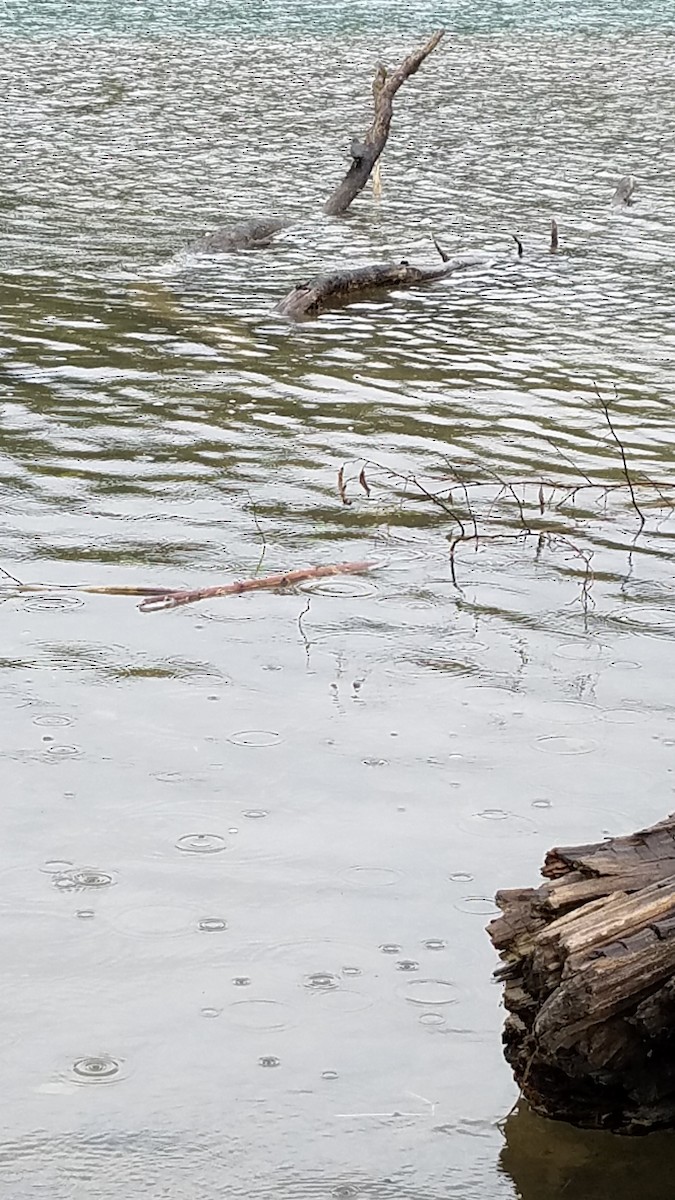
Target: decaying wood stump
{"points": [[589, 974]]}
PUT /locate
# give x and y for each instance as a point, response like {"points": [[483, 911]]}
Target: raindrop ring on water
{"points": [[431, 992], [41, 603], [255, 737], [480, 906], [85, 877], [322, 981], [201, 843], [53, 720], [95, 1068], [56, 866]]}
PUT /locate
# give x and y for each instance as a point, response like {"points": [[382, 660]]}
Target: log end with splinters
{"points": [[589, 983]]}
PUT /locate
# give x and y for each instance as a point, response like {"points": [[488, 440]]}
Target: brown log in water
{"points": [[325, 291]]}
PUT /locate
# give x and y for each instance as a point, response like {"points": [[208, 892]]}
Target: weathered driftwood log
{"points": [[366, 152], [246, 235], [589, 973], [325, 291], [174, 599]]}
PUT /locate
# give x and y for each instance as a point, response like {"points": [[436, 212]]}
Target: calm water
{"points": [[249, 846]]}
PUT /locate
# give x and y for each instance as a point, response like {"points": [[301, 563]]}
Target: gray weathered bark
{"points": [[323, 291], [246, 235]]}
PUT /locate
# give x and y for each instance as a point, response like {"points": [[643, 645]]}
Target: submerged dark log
{"points": [[589, 971], [246, 235], [365, 152], [326, 291]]}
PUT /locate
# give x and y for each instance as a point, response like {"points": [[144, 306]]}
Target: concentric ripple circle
{"points": [[82, 877], [255, 737], [96, 1068], [431, 992], [46, 603], [322, 981], [201, 843], [259, 1014]]}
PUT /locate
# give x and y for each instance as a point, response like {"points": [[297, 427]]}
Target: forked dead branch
{"points": [[366, 153]]}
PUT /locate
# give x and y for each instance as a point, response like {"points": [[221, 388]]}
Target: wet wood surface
{"points": [[588, 966]]}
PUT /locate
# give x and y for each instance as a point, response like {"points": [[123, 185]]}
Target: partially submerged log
{"points": [[324, 291], [365, 152], [589, 973], [246, 235]]}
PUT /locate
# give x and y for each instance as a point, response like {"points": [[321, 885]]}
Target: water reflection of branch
{"points": [[483, 516], [543, 538], [8, 575], [301, 628], [261, 534], [569, 460]]}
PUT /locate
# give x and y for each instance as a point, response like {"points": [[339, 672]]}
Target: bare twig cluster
{"points": [[504, 511]]}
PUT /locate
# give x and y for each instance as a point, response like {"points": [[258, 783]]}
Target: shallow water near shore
{"points": [[250, 846]]}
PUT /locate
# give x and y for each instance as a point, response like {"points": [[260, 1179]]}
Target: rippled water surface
{"points": [[249, 846]]}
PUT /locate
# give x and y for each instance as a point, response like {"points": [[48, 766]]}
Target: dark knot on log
{"points": [[357, 149]]}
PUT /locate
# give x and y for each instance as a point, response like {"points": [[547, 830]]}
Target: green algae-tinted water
{"points": [[249, 847]]}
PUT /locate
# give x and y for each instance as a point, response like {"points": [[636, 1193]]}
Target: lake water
{"points": [[249, 846]]}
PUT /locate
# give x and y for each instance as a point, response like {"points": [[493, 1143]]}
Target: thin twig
{"points": [[342, 488], [444, 255], [13, 578], [364, 482], [604, 404]]}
